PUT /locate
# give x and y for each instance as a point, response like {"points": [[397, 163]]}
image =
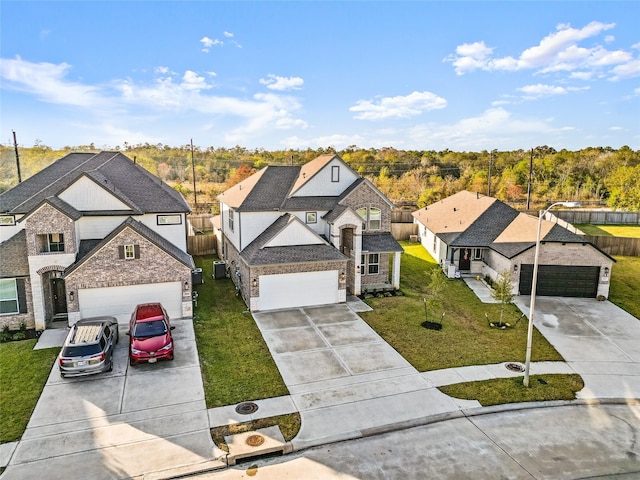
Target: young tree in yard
{"points": [[437, 282], [503, 291]]}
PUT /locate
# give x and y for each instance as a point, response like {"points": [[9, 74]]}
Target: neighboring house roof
{"points": [[259, 253], [472, 220], [13, 252], [90, 247], [380, 243], [113, 171]]}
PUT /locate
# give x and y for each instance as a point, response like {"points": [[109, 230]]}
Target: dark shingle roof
{"points": [[487, 227], [126, 180], [332, 215], [257, 254], [511, 249], [272, 189], [561, 234], [381, 243], [294, 204]]}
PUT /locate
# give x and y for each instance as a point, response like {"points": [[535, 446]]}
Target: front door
{"points": [[59, 298], [465, 259]]}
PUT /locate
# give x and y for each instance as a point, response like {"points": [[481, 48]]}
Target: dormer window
{"points": [[51, 243], [335, 173]]}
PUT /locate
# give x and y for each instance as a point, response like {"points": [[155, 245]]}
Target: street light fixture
{"points": [[534, 282]]}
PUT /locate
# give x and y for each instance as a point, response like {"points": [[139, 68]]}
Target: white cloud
{"points": [[557, 52], [275, 82], [207, 43], [338, 141], [628, 70], [616, 129], [47, 81], [541, 90], [609, 38], [410, 105], [228, 34]]}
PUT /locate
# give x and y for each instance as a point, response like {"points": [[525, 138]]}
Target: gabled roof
{"points": [[310, 169], [380, 243], [112, 170], [258, 253], [455, 213], [59, 205], [91, 246]]}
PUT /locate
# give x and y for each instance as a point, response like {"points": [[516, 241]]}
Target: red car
{"points": [[150, 334]]}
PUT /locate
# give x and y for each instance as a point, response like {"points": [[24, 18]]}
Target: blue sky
{"points": [[411, 75]]}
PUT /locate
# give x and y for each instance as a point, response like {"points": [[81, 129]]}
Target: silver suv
{"points": [[88, 348]]}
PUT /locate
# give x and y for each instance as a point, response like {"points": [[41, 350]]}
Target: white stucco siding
{"points": [[85, 195], [233, 235], [120, 301], [298, 290], [36, 263], [320, 227], [295, 234], [322, 183], [96, 228]]}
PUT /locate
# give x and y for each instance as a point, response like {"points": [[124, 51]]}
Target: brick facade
{"points": [[48, 220], [106, 269]]}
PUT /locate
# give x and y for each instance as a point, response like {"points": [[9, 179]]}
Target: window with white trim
{"points": [[374, 263], [9, 296], [169, 219], [7, 220], [374, 218], [231, 219], [129, 252]]}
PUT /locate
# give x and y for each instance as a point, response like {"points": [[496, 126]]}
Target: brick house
{"points": [[307, 235], [468, 233], [92, 234]]}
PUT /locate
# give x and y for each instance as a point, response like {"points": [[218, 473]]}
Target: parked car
{"points": [[89, 346], [150, 336]]}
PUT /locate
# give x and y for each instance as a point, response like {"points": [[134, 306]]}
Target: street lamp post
{"points": [[534, 281]]}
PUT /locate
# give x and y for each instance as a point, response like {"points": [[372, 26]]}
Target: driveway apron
{"points": [[345, 380], [126, 423], [598, 340]]}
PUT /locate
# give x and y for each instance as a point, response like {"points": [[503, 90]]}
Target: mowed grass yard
{"points": [[625, 284], [465, 339], [629, 231]]}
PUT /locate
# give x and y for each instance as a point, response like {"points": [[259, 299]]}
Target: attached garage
{"points": [[561, 280], [120, 301], [298, 290]]}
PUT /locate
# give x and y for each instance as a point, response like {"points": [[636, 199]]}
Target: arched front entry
{"points": [[54, 296]]}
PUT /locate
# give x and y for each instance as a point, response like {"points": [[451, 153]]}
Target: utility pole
{"points": [[15, 145], [193, 172], [529, 184], [490, 162]]}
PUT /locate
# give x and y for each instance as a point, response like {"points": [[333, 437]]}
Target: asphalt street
{"points": [[554, 443]]}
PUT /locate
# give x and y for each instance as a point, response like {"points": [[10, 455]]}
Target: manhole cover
{"points": [[515, 367], [246, 408], [254, 440]]}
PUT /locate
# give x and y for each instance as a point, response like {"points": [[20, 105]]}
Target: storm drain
{"points": [[246, 408], [514, 367]]}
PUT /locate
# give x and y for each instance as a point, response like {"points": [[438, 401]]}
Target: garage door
{"points": [[120, 301], [298, 289], [561, 280]]}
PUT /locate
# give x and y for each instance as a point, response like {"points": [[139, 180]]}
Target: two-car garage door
{"points": [[120, 301], [298, 289], [561, 280]]}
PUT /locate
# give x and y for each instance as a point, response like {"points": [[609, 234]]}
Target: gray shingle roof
{"points": [[256, 254], [272, 189], [117, 173], [380, 243], [487, 227]]}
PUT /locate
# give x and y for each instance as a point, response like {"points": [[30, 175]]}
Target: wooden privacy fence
{"points": [[201, 245], [201, 222], [403, 231], [598, 217], [616, 245]]}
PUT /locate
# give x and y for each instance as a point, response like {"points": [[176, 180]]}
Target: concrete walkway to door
{"points": [[344, 379]]}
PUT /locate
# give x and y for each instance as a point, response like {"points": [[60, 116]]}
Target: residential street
{"points": [[558, 443]]}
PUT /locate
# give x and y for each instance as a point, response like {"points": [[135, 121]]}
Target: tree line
{"points": [[596, 175]]}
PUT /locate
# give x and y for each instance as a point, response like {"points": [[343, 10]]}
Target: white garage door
{"points": [[120, 301], [298, 289]]}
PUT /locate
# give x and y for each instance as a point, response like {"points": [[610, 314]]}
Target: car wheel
{"points": [[63, 375], [110, 364], [131, 362]]}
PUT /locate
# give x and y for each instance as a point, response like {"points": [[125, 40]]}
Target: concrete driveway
{"points": [[344, 379], [131, 422], [598, 340]]}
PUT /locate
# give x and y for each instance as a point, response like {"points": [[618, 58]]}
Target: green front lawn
{"points": [[236, 363], [625, 284], [465, 339], [504, 390], [23, 374]]}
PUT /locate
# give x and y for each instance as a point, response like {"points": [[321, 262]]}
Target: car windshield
{"points": [[81, 350], [152, 328]]}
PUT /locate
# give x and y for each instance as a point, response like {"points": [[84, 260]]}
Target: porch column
{"points": [[396, 270]]}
